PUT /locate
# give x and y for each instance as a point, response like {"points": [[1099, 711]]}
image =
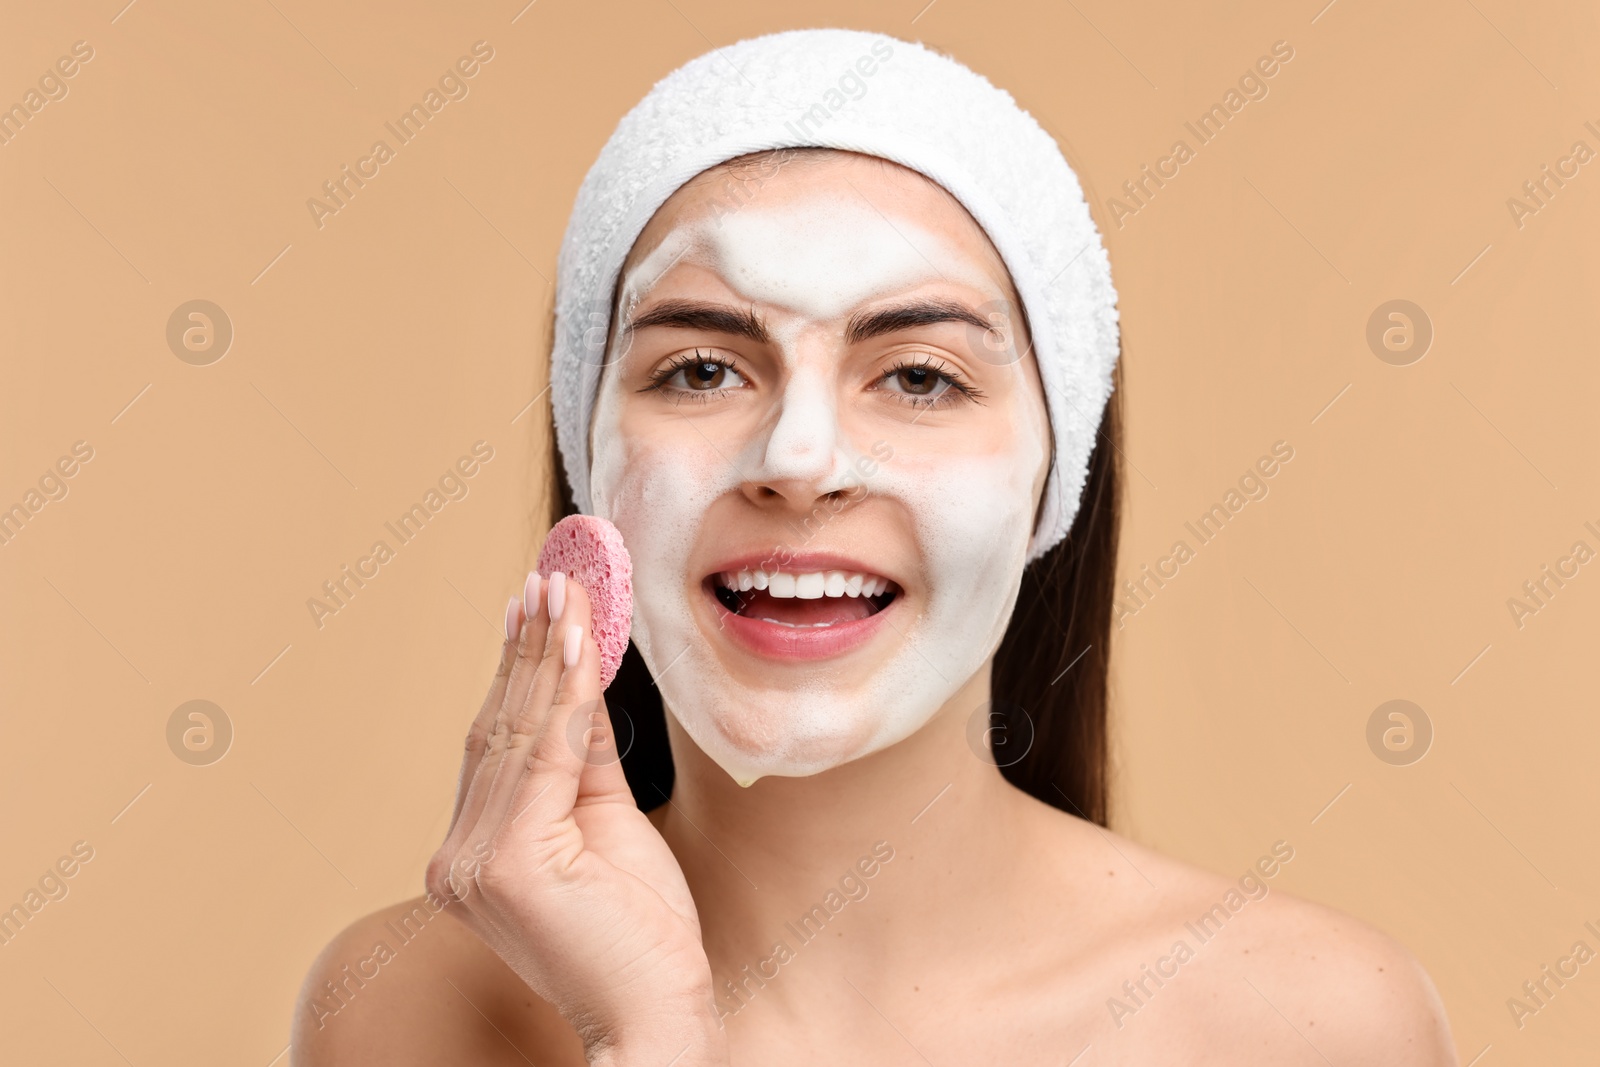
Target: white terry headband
{"points": [[880, 96]]}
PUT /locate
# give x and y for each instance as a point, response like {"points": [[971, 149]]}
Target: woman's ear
{"points": [[1036, 389]]}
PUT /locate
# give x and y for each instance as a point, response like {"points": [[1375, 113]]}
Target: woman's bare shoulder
{"points": [[410, 984], [1241, 962]]}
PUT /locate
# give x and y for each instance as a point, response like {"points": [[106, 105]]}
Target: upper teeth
{"points": [[809, 586]]}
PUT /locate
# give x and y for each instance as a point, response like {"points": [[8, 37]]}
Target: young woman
{"points": [[844, 402]]}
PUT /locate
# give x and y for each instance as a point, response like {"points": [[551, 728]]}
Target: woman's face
{"points": [[822, 435]]}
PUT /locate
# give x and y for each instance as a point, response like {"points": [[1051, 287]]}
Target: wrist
{"points": [[690, 1040]]}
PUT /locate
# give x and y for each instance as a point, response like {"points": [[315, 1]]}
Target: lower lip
{"points": [[771, 640]]}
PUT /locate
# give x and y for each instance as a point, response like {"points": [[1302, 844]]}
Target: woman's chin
{"points": [[762, 704], [781, 734]]}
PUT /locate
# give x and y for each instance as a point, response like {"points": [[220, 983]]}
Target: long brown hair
{"points": [[1050, 689]]}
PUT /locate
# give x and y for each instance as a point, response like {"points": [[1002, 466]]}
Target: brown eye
{"points": [[704, 375], [924, 382], [699, 374], [918, 381]]}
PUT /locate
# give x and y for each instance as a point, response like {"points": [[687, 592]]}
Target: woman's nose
{"points": [[800, 457]]}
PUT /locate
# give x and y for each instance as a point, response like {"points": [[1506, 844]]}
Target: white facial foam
{"points": [[971, 505]]}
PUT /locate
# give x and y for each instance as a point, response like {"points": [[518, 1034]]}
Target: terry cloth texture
{"points": [[923, 110]]}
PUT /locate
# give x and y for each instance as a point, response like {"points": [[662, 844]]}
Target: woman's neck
{"points": [[760, 859]]}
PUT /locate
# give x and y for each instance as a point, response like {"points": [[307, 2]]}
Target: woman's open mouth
{"points": [[790, 614]]}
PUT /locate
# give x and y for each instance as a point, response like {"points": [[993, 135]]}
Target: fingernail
{"points": [[513, 618], [558, 594], [574, 645], [530, 596]]}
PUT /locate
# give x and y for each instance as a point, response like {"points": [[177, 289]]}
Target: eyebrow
{"points": [[910, 315], [721, 318], [696, 315]]}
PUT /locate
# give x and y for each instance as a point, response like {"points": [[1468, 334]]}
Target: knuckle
{"points": [[492, 879], [554, 638], [528, 719], [498, 738], [528, 649], [519, 668], [462, 875], [503, 667], [545, 759], [525, 729], [437, 879]]}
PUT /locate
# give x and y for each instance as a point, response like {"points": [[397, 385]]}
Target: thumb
{"points": [[604, 739]]}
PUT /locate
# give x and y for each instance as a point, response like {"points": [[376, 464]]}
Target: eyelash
{"points": [[659, 380], [959, 387]]}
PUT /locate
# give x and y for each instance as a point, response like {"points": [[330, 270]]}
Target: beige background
{"points": [[371, 353]]}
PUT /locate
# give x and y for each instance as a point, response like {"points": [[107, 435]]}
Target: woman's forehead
{"points": [[821, 196]]}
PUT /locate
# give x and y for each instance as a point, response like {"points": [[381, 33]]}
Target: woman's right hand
{"points": [[549, 860]]}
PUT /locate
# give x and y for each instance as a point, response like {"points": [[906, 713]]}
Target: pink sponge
{"points": [[590, 551]]}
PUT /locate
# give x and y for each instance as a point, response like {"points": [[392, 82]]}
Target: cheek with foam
{"points": [[972, 516], [657, 494]]}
